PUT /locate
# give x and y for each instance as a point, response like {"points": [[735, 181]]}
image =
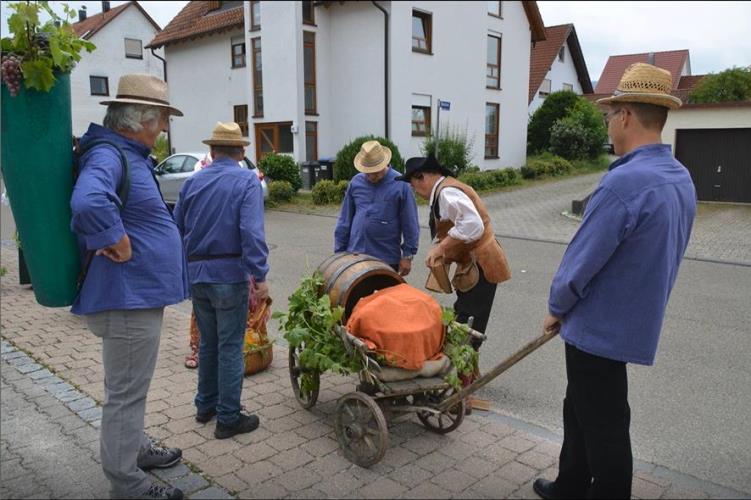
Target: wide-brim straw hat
{"points": [[226, 134], [139, 88], [645, 83], [372, 158]]}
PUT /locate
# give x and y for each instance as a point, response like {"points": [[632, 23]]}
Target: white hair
{"points": [[132, 117]]}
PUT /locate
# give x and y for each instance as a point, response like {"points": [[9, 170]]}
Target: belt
{"points": [[194, 258]]}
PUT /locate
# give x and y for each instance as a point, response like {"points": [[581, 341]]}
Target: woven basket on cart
{"points": [[257, 351]]}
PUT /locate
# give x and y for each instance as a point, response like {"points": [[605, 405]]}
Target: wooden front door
{"points": [[273, 138]]}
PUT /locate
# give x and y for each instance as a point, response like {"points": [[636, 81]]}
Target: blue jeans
{"points": [[221, 313]]}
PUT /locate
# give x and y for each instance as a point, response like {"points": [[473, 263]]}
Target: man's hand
{"points": [[551, 323], [405, 266], [119, 252], [435, 255], [262, 291]]}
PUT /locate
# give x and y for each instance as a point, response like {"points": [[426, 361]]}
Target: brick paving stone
{"points": [[398, 456], [259, 472], [276, 411], [231, 483], [40, 374], [70, 396], [435, 462], [190, 483], [458, 450], [427, 489], [410, 474], [313, 430], [91, 414], [255, 452], [291, 459], [80, 404], [340, 485], [317, 447], [183, 441], [311, 493], [257, 436], [548, 448], [646, 489], [278, 425], [329, 465], [516, 443], [177, 412], [517, 473], [210, 493], [494, 486], [385, 488], [299, 479], [222, 464], [536, 460], [422, 445], [497, 454], [454, 480], [265, 490], [476, 467], [676, 492], [176, 471]]}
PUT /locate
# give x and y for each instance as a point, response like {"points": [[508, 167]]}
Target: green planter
{"points": [[37, 169]]}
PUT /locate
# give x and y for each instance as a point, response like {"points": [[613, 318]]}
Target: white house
{"points": [[318, 74], [119, 34], [557, 64]]}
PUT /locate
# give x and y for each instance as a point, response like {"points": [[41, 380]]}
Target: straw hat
{"points": [[645, 83], [140, 88], [372, 157], [226, 134]]}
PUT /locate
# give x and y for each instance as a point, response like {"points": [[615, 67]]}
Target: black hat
{"points": [[419, 163]]}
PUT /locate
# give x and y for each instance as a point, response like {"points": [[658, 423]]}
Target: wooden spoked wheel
{"points": [[442, 423], [305, 383], [361, 429]]}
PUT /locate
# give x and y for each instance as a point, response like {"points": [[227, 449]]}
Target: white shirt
{"points": [[453, 204]]}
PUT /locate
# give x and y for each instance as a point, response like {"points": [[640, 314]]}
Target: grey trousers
{"points": [[130, 343]]}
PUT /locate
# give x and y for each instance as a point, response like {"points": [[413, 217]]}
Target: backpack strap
{"points": [[122, 193], [124, 187]]}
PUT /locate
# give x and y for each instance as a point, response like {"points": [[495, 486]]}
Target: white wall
{"points": [[693, 118], [560, 73], [108, 59], [205, 87]]}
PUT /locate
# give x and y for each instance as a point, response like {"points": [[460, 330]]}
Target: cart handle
{"points": [[505, 365]]}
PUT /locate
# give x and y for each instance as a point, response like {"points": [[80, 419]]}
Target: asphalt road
{"points": [[689, 411]]}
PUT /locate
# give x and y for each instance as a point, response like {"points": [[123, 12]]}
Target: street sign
{"points": [[444, 105]]}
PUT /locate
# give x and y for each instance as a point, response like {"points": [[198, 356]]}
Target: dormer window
{"points": [[562, 54], [133, 48]]}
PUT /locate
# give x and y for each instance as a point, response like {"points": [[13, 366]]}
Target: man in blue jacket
{"points": [[378, 215], [609, 295], [220, 215], [137, 268]]}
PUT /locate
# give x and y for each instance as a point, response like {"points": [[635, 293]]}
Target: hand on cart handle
{"points": [[551, 324]]}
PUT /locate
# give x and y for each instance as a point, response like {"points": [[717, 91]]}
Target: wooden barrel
{"points": [[352, 276]]}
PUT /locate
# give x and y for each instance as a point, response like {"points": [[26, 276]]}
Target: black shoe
{"points": [[547, 490], [158, 457], [244, 424], [202, 418], [162, 492]]}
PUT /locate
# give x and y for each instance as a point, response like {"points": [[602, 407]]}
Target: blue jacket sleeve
{"points": [[409, 222], [606, 223], [95, 215], [344, 222], [252, 233]]}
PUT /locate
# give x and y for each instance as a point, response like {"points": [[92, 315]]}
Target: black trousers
{"points": [[477, 303], [596, 460]]}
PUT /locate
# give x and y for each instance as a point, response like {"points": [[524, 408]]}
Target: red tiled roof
{"points": [[195, 20], [672, 60], [544, 53], [91, 25], [685, 85], [536, 25]]}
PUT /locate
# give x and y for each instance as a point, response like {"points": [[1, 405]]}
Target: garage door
{"points": [[719, 161]]}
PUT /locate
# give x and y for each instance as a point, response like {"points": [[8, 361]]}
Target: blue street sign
{"points": [[444, 105]]}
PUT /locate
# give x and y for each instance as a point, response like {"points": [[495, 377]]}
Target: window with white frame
{"points": [[568, 86], [133, 48], [545, 88]]}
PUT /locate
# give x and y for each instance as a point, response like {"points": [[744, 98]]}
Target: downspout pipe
{"points": [[385, 64], [164, 67]]}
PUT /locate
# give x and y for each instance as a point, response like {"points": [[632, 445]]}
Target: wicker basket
{"points": [[258, 351]]}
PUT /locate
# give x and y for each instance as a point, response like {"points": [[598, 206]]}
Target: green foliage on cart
{"points": [[456, 346]]}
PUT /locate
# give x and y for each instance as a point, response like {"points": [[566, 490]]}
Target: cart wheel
{"points": [[443, 423], [361, 429], [306, 397]]}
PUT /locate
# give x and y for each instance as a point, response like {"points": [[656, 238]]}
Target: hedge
{"points": [[491, 179], [281, 191], [327, 192], [279, 167], [344, 167]]}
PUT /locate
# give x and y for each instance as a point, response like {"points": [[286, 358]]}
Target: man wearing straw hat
{"points": [[378, 215], [136, 269], [609, 295], [220, 215]]}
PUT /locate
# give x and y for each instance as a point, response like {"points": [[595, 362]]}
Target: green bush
{"points": [[556, 106], [281, 191], [733, 84], [326, 192], [580, 134], [344, 167], [491, 179], [545, 165], [279, 167], [160, 150], [454, 149]]}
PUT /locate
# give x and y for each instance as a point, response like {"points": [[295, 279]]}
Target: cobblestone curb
{"points": [[193, 484]]}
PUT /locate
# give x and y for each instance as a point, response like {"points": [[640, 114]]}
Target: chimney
{"points": [[105, 6], [651, 58], [82, 14]]}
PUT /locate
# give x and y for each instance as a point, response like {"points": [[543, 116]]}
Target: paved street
{"points": [[690, 437]]}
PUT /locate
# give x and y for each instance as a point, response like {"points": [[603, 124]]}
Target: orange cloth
{"points": [[401, 323]]}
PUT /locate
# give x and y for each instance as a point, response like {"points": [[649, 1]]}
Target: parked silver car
{"points": [[172, 172]]}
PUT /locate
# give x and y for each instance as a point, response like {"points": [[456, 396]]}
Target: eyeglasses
{"points": [[610, 116]]}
